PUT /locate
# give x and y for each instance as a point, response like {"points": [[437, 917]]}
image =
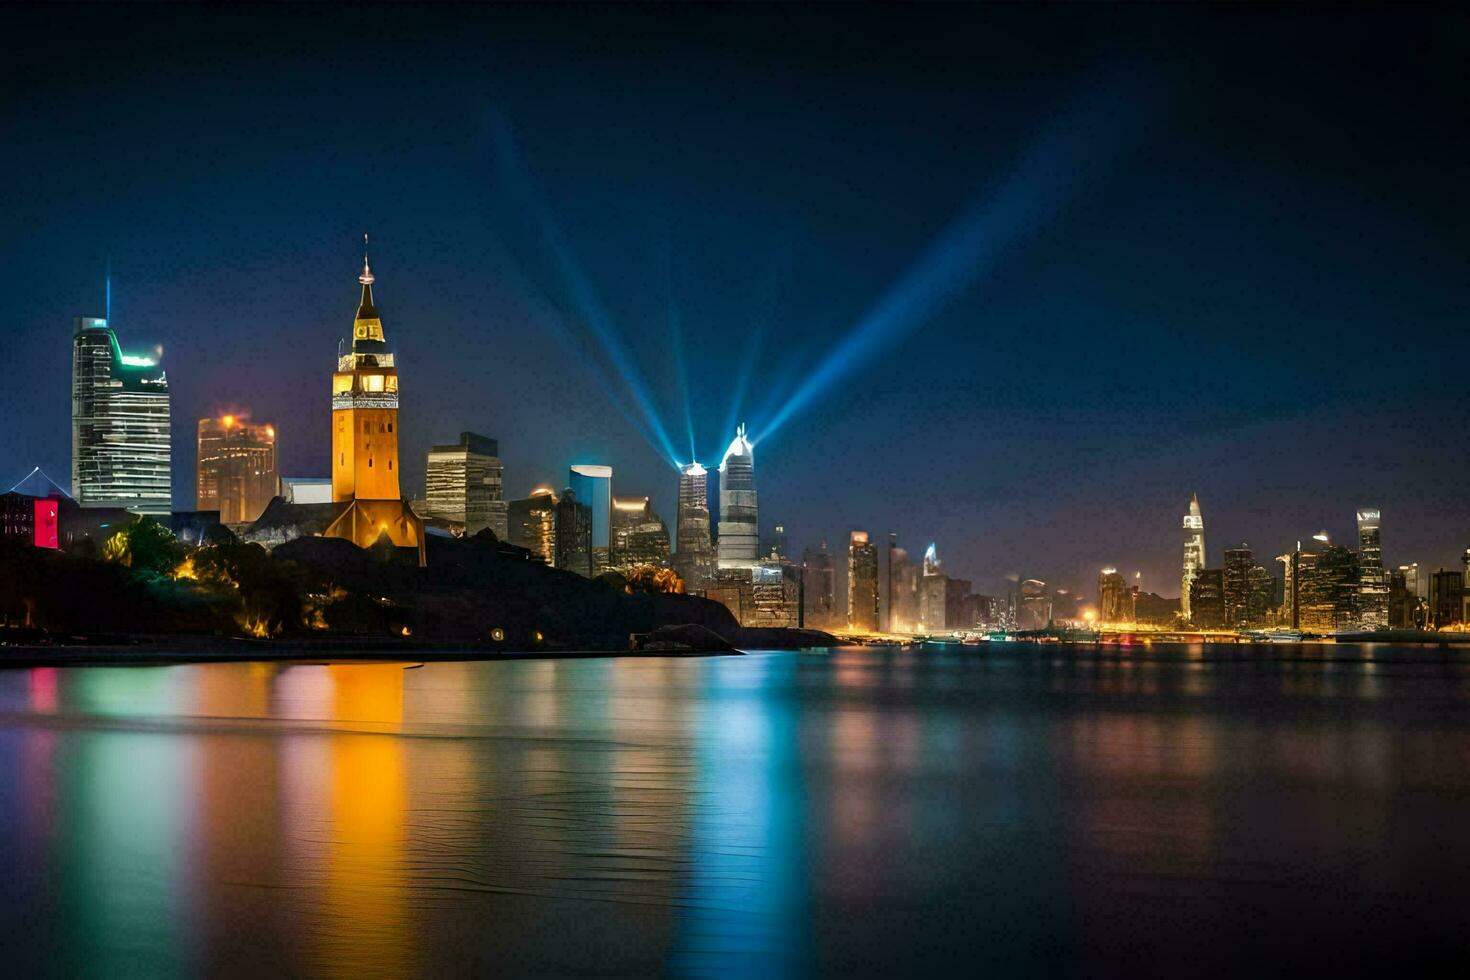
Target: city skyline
{"points": [[977, 448]]}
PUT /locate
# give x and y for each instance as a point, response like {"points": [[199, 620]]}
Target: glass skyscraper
{"points": [[1194, 553], [1373, 578], [862, 583], [463, 485], [121, 445], [693, 557], [593, 487], [739, 537]]}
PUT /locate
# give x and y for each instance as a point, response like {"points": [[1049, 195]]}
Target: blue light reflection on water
{"points": [[745, 908]]}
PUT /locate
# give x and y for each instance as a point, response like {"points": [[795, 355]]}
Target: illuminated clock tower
{"points": [[365, 436]]}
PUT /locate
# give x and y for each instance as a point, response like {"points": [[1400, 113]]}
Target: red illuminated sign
{"points": [[46, 523]]}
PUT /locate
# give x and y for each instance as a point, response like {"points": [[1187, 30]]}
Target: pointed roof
{"points": [[365, 309], [739, 446], [38, 484]]}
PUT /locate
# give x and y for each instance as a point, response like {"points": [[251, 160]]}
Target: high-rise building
{"points": [[236, 470], [1327, 597], [1446, 598], [1194, 553], [593, 487], [639, 536], [1400, 605], [574, 532], [532, 524], [862, 583], [1033, 605], [959, 608], [1261, 599], [1295, 566], [1207, 599], [365, 437], [739, 539], [1115, 600], [121, 441], [903, 590], [1238, 565], [463, 485], [1373, 582], [820, 587], [933, 593], [694, 557]]}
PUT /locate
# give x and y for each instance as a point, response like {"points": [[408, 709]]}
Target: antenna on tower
{"points": [[107, 308]]}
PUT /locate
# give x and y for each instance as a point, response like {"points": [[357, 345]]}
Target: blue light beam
{"points": [[588, 305], [1075, 149]]}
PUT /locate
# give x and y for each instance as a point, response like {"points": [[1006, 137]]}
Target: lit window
{"points": [[372, 382], [341, 383], [392, 382]]}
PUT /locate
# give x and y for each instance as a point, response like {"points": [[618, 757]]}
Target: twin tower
{"points": [[365, 438]]}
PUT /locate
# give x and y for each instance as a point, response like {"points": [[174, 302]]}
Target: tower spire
{"points": [[366, 309], [367, 274]]}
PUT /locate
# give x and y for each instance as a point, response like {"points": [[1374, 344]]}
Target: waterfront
{"points": [[1010, 809]]}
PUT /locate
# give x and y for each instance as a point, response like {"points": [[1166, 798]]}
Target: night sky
{"points": [[1023, 278]]}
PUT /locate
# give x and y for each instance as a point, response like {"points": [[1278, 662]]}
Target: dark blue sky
{"points": [[1239, 266]]}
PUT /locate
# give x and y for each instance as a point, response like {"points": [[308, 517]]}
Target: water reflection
{"points": [[867, 810]]}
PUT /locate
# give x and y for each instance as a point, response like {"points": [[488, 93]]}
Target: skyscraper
{"points": [[593, 487], [365, 437], [1033, 605], [1207, 599], [1446, 598], [1114, 599], [121, 442], [862, 583], [820, 578], [1238, 565], [236, 470], [574, 534], [1194, 552], [463, 484], [694, 557], [1372, 577], [532, 524], [1295, 565], [639, 536], [933, 593], [739, 538], [1327, 598]]}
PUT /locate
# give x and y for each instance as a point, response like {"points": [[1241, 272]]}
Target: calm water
{"points": [[867, 810]]}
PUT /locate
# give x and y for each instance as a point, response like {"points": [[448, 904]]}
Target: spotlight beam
{"points": [[1087, 136], [590, 310]]}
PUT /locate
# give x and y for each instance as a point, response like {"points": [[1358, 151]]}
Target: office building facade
{"points": [[463, 485], [121, 424], [639, 535], [531, 524], [592, 485], [1194, 554], [235, 472], [862, 583], [738, 539], [1373, 578], [694, 557]]}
